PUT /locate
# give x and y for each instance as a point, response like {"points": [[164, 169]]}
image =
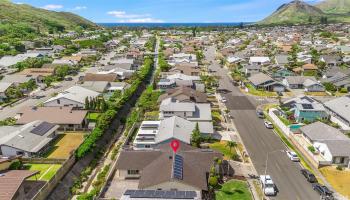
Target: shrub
{"points": [[312, 149], [340, 168], [235, 157], [343, 90], [16, 165], [213, 181]]}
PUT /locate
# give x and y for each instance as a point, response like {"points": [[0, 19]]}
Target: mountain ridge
{"points": [[294, 12], [334, 6], [38, 18]]}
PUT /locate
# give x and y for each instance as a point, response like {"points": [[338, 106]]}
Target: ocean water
{"points": [[170, 25]]}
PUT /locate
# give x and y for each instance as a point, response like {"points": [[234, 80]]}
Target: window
{"points": [[58, 101], [147, 146], [133, 172]]}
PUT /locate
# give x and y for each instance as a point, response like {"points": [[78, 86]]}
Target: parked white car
{"points": [[268, 186], [223, 100], [293, 156], [268, 124]]}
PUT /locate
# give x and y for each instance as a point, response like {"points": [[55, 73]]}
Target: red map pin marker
{"points": [[175, 145]]}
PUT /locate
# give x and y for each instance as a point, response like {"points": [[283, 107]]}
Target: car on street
{"points": [[322, 190], [260, 113], [223, 100], [268, 124], [268, 186], [310, 177], [292, 156], [68, 78]]}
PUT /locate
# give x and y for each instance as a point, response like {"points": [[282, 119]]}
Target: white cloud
{"points": [[52, 7], [141, 20], [133, 18], [76, 8], [124, 15]]}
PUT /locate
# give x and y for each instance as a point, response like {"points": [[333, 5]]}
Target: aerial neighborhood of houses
{"points": [[96, 114]]}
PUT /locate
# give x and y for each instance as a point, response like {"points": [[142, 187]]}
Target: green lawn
{"points": [[234, 190], [261, 93], [93, 116], [47, 171], [221, 147]]}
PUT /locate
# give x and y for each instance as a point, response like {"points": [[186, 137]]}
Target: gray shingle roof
{"points": [[341, 106], [259, 79], [21, 137], [319, 131]]}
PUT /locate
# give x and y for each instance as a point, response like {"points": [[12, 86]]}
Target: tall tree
{"points": [[196, 137]]}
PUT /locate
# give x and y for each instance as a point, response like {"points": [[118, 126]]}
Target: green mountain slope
{"points": [[294, 12], [334, 6], [40, 19]]}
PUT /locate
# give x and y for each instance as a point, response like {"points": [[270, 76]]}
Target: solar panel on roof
{"points": [[190, 194], [154, 194], [169, 194], [180, 194], [178, 167], [42, 128], [307, 106]]}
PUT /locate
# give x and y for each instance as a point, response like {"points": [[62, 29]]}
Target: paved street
{"points": [[260, 141], [12, 111]]}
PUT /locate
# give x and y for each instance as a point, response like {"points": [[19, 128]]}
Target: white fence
{"points": [[285, 129]]}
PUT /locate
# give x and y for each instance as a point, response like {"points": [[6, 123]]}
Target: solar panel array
{"points": [[307, 106], [42, 128], [160, 194], [178, 167]]}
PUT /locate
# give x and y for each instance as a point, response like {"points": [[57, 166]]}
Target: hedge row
{"points": [[107, 117]]}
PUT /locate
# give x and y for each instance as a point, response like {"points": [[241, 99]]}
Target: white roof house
{"points": [[190, 111], [74, 96], [259, 60]]}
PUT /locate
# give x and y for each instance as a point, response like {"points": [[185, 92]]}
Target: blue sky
{"points": [[164, 10]]}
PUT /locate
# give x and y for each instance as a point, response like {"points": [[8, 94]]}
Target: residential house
{"points": [[339, 110], [189, 69], [234, 60], [329, 142], [29, 140], [184, 94], [195, 112], [309, 112], [331, 60], [162, 170], [14, 184], [303, 82], [67, 118], [74, 96], [100, 77], [97, 86], [280, 74], [38, 73], [17, 79], [263, 81], [153, 133], [259, 60], [250, 70], [281, 60], [309, 68]]}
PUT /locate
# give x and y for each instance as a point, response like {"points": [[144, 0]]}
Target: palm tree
{"points": [[231, 144]]}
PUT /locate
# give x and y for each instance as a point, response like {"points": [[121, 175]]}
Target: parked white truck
{"points": [[268, 186]]}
